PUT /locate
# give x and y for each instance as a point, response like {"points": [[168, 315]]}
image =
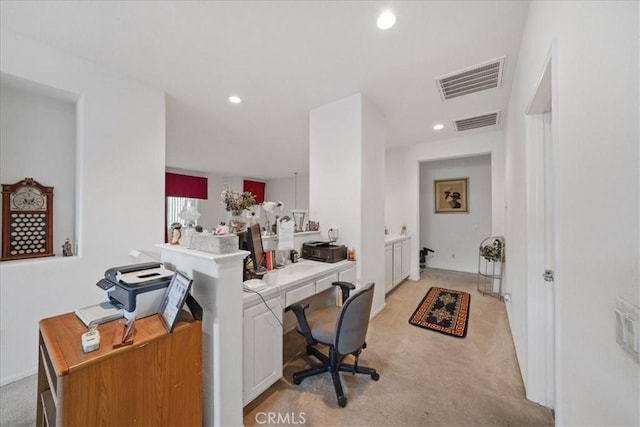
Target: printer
{"points": [[137, 289], [324, 251]]}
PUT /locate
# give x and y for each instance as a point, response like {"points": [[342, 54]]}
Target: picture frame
{"points": [[451, 195], [174, 297]]}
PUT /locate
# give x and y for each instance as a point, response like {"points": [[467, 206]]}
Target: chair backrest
{"points": [[351, 327]]}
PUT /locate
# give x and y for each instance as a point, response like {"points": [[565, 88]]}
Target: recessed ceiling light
{"points": [[235, 99], [439, 126], [386, 20]]}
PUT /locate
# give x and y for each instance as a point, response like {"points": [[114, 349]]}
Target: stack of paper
{"points": [[99, 313]]}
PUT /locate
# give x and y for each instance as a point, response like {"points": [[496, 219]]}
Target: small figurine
{"points": [[176, 233], [67, 249], [221, 229]]}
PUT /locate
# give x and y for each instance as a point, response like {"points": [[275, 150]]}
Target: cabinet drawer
{"points": [[325, 282], [49, 373], [348, 275], [300, 293], [48, 408]]}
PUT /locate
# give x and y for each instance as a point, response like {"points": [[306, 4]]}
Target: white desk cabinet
{"points": [[348, 275], [397, 260], [397, 263], [388, 268], [262, 348], [326, 282], [406, 259], [262, 333]]}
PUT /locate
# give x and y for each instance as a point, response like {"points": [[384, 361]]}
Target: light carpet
{"points": [[425, 379]]}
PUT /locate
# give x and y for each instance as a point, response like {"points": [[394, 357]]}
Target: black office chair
{"points": [[342, 329]]}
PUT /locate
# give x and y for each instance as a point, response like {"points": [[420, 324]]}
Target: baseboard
{"points": [[378, 311], [17, 377]]}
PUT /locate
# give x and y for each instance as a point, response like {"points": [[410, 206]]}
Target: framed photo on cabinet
{"points": [[174, 298], [451, 195]]}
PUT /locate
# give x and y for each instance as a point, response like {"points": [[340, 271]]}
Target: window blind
{"points": [[192, 187], [256, 188]]}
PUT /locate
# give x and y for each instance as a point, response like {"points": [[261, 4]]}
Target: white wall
{"points": [[402, 194], [284, 190], [371, 255], [597, 185], [120, 192], [455, 238], [38, 140], [346, 181]]}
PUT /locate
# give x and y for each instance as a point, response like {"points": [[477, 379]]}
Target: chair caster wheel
{"points": [[342, 402], [297, 381], [375, 376]]}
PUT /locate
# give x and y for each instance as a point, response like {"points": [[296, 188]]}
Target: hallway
{"points": [[426, 378]]}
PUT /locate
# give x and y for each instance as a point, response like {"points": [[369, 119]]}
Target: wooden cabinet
{"points": [[262, 348], [155, 381]]}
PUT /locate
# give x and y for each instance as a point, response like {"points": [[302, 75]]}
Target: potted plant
{"points": [[237, 203], [493, 252]]}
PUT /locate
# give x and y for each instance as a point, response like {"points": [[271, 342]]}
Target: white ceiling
{"points": [[283, 59]]}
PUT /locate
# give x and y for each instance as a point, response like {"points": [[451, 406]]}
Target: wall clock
{"points": [[27, 220]]}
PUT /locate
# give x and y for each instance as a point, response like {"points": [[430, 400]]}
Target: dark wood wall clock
{"points": [[27, 220]]}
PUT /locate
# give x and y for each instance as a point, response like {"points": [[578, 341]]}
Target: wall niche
{"points": [[38, 139]]}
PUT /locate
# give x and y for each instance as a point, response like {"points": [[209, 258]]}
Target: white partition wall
{"points": [[346, 181]]}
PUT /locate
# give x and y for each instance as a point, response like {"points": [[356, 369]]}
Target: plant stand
{"points": [[490, 266]]}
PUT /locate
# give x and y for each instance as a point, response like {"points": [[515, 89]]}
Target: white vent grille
{"points": [[471, 80], [476, 122]]}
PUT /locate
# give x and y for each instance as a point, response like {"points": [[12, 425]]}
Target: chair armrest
{"points": [[303, 325], [345, 287]]}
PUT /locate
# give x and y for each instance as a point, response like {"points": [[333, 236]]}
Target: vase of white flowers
{"points": [[236, 204]]}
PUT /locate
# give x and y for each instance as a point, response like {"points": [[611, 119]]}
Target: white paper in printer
{"points": [[143, 276]]}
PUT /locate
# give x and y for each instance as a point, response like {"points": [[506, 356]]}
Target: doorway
{"points": [[541, 125], [455, 236]]}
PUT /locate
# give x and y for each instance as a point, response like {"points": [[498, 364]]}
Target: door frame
{"points": [[541, 124]]}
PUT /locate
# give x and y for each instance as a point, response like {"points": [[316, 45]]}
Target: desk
{"points": [[230, 313], [262, 333]]}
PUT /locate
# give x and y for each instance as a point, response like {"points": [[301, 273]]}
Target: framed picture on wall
{"points": [[451, 195]]}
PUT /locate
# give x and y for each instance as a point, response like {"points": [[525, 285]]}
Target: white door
{"points": [[541, 146]]}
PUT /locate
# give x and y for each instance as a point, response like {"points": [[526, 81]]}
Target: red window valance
{"points": [[256, 188], [177, 185]]}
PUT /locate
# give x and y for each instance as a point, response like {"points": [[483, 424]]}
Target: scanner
{"points": [[137, 288]]}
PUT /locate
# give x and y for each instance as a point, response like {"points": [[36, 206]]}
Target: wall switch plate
{"points": [[627, 330]]}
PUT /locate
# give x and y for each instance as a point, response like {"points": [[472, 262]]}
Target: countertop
{"points": [[393, 238], [304, 271]]}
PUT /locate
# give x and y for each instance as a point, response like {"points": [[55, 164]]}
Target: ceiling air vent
{"points": [[476, 122], [471, 80]]}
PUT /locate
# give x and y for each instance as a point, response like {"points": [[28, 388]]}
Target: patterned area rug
{"points": [[443, 310]]}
